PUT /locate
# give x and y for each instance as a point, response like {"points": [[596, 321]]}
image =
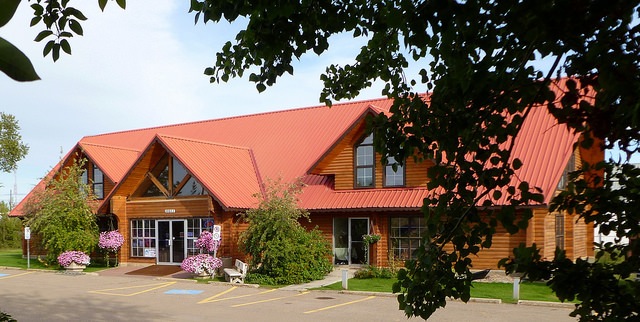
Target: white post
{"points": [[28, 255], [344, 279], [516, 288]]}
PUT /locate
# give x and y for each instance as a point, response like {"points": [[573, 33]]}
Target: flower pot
{"points": [[204, 274], [74, 267]]}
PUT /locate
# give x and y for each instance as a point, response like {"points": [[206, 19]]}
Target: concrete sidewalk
{"points": [[333, 277]]}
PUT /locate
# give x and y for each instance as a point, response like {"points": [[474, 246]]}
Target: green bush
{"points": [[10, 232], [4, 317], [279, 247], [374, 272]]}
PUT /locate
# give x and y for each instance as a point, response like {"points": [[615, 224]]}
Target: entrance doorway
{"points": [[171, 241], [348, 246]]}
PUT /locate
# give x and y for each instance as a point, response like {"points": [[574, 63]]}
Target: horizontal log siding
{"points": [[549, 248], [579, 238]]}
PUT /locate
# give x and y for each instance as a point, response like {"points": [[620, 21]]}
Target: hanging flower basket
{"points": [[110, 242]]}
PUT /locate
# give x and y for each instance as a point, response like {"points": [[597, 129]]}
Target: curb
{"points": [[547, 304]]}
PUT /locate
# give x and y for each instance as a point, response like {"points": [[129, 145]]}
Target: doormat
{"points": [[156, 270]]}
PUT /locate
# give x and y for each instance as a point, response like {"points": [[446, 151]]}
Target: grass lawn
{"points": [[503, 291], [13, 258]]}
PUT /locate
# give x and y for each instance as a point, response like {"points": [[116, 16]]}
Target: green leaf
{"points": [[7, 10], [75, 26], [47, 48], [261, 87], [65, 46], [55, 54], [122, 3], [102, 4], [35, 20], [517, 164], [43, 34], [16, 64]]}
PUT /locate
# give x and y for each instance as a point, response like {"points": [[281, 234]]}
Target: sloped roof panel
{"points": [[113, 161], [227, 172]]}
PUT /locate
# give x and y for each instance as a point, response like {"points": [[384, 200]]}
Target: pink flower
{"points": [[65, 259], [206, 242], [201, 263], [111, 240]]}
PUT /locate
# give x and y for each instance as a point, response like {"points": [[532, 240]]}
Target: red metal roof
{"points": [[229, 173], [232, 156]]}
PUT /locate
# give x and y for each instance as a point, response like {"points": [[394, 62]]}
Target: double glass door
{"points": [[348, 246], [171, 241]]}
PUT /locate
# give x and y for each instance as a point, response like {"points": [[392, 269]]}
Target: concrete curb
{"points": [[548, 304]]}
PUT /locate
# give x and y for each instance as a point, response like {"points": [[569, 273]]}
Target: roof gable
{"points": [[229, 173]]}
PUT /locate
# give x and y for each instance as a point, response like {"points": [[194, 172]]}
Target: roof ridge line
{"points": [[238, 117], [108, 146], [204, 142]]}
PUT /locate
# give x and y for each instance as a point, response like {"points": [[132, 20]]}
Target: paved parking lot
{"points": [[38, 296]]}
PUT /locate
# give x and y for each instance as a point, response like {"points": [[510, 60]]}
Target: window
{"points": [[169, 179], [571, 166], [84, 181], [98, 183], [143, 238], [560, 231], [405, 235], [364, 166], [196, 226], [393, 178]]}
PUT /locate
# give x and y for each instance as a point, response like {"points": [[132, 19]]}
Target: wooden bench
{"points": [[236, 274]]}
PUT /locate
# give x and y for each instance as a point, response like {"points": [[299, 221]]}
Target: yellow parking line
{"points": [[234, 297], [268, 300], [157, 286], [338, 305], [10, 276], [217, 295]]}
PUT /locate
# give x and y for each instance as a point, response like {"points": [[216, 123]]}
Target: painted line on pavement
{"points": [[217, 295], [5, 276], [108, 290], [210, 300], [269, 300], [183, 292], [339, 305]]}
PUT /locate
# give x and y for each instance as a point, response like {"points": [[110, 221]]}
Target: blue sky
{"points": [[136, 68]]}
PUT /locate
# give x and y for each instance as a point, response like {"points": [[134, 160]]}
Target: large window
{"points": [[98, 183], [393, 178], [170, 170], [143, 238], [196, 226], [405, 235], [364, 163]]}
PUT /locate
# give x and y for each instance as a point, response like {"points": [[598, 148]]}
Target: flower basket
{"points": [[110, 241], [201, 265], [74, 260]]}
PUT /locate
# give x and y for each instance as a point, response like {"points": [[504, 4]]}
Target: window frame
{"points": [[396, 242], [371, 166], [95, 184], [147, 226], [389, 166]]}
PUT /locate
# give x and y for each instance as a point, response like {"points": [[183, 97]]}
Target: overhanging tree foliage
{"points": [[478, 59], [61, 213]]}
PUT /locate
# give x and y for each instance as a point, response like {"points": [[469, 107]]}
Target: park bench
{"points": [[236, 274]]}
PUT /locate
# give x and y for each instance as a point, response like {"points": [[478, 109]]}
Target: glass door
{"points": [[348, 247], [171, 241]]}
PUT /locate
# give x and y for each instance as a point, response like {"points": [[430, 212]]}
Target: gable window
{"points": [[169, 179], [98, 183], [571, 166], [364, 165], [393, 178]]}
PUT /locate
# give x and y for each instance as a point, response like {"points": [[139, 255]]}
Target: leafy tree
{"points": [[13, 149], [10, 228], [479, 61], [282, 251], [61, 214]]}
